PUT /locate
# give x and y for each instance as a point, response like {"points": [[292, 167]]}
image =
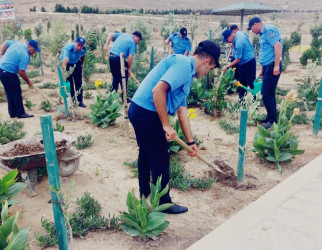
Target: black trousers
{"points": [[246, 76], [268, 91], [76, 79], [11, 84], [115, 67], [153, 149]]}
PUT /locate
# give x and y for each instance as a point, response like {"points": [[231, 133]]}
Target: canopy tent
{"points": [[243, 9]]}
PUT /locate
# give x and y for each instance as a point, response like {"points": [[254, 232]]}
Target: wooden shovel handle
{"points": [[186, 147]]}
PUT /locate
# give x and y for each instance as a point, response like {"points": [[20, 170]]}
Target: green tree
{"points": [[140, 25], [27, 34], [38, 29]]}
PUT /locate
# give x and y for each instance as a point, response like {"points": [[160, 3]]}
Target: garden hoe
{"points": [[186, 147], [136, 80]]}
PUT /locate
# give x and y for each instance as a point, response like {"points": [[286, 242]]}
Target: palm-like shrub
{"points": [[105, 109]]}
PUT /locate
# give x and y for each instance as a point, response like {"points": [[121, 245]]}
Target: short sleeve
{"points": [[272, 36]]}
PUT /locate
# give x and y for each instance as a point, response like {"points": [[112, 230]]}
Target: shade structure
{"points": [[243, 9]]}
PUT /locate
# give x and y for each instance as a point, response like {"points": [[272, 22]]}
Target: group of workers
{"points": [[163, 91]]}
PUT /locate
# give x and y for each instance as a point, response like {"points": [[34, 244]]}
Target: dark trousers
{"points": [[268, 91], [76, 79], [247, 75], [153, 149], [11, 84], [115, 67]]}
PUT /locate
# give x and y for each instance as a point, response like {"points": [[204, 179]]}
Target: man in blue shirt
{"points": [[234, 28], [244, 57], [180, 42], [73, 55], [270, 52], [15, 58], [126, 44], [164, 92]]}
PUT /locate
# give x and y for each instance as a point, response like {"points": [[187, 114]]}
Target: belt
{"points": [[111, 54]]}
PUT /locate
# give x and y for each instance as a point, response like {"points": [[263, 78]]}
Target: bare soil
{"points": [[103, 174]]}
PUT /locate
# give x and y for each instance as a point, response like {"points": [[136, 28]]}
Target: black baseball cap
{"points": [[138, 34], [211, 49], [232, 27], [183, 31], [252, 21]]}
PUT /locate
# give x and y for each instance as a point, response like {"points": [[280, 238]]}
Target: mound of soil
{"points": [[228, 177], [20, 149]]}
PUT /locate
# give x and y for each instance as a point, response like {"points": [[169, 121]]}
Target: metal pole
{"points": [[318, 111], [53, 176], [242, 142]]}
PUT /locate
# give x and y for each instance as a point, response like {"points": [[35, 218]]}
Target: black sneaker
{"points": [[263, 121], [175, 209], [81, 104], [25, 115], [268, 125]]}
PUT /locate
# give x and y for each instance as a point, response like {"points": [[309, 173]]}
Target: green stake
{"points": [[318, 111], [152, 59], [242, 142], [40, 62], [53, 176]]}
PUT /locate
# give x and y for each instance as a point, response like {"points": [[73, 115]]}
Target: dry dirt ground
{"points": [[207, 209]]}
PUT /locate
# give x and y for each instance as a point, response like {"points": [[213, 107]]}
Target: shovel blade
{"points": [[217, 168]]}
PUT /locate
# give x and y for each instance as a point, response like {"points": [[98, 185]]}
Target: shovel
{"points": [[60, 110], [186, 147]]}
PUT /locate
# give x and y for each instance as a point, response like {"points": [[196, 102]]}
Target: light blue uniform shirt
{"points": [[267, 39], [70, 52], [243, 49], [123, 43], [16, 57], [180, 45], [178, 71]]}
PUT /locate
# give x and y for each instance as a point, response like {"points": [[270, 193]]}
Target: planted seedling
{"points": [[59, 127], [46, 106], [84, 141], [29, 104]]}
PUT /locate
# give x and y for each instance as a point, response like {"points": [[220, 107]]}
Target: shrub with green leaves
{"points": [[10, 131], [33, 73], [9, 187], [88, 95], [3, 97], [174, 147], [105, 109], [84, 141], [48, 85], [143, 219], [198, 93], [277, 144], [46, 105], [12, 237], [89, 65], [86, 217]]}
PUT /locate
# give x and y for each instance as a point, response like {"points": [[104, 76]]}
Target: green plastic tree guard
{"points": [[152, 59], [242, 142], [318, 111], [53, 176], [40, 62]]}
